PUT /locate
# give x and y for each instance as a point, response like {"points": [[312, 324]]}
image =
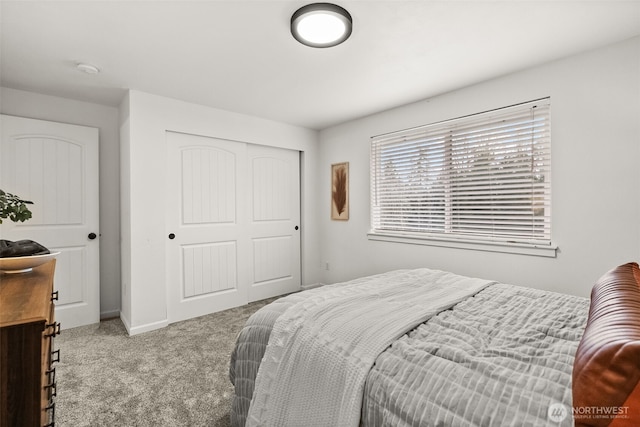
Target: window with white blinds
{"points": [[485, 177]]}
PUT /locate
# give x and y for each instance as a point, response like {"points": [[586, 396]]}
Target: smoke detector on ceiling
{"points": [[87, 68]]}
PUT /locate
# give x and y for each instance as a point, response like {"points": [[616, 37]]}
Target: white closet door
{"points": [[274, 223], [231, 221], [55, 166], [206, 229]]}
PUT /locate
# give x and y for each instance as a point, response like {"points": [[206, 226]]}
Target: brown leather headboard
{"points": [[606, 370]]}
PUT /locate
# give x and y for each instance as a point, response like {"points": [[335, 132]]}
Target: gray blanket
{"points": [[502, 357], [327, 343]]}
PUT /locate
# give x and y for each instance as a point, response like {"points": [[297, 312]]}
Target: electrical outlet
{"points": [[326, 265]]}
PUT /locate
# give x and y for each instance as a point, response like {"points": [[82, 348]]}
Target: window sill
{"points": [[503, 247]]}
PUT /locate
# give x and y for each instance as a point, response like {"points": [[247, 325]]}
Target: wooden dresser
{"points": [[27, 328]]}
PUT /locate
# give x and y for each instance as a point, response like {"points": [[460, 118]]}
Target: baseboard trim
{"points": [[311, 286], [106, 315], [142, 328]]}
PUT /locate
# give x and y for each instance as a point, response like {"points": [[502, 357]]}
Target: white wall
{"points": [[43, 107], [595, 119], [144, 121], [595, 111]]}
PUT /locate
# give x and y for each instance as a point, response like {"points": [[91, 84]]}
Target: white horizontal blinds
{"points": [[481, 177]]}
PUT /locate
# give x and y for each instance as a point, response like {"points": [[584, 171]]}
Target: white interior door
{"points": [[274, 223], [224, 239], [55, 166], [206, 229]]}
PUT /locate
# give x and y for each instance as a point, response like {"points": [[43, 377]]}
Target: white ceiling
{"points": [[240, 56]]}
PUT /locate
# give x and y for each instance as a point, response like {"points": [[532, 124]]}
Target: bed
{"points": [[425, 347]]}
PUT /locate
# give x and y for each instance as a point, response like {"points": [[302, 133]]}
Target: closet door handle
{"points": [[92, 236], [172, 236]]}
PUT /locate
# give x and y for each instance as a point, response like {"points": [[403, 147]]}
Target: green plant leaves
{"points": [[14, 208]]}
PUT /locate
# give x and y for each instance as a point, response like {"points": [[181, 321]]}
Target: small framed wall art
{"points": [[340, 191]]}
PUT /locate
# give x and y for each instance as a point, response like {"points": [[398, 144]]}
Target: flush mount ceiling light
{"points": [[321, 25]]}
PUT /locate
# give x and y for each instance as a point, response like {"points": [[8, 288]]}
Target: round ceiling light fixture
{"points": [[321, 25]]}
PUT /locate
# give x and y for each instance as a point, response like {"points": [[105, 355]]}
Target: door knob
{"points": [[172, 236], [296, 227], [92, 236]]}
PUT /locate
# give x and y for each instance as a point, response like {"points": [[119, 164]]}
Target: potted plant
{"points": [[13, 207], [22, 255]]}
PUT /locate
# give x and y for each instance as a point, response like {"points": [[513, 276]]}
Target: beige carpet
{"points": [[175, 376]]}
